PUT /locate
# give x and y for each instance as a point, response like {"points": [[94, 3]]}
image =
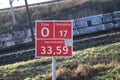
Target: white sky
{"points": [[5, 3]]}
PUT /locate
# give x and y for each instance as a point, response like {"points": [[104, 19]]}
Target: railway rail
{"points": [[27, 52]]}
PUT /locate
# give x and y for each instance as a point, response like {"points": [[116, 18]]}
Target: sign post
{"points": [[54, 39], [53, 68]]}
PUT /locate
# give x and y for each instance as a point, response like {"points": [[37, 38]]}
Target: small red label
{"points": [[44, 29], [63, 30]]}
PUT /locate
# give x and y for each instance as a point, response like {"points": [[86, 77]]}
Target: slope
{"points": [[97, 63], [63, 9]]}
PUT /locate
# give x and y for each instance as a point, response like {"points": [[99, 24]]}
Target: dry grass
{"points": [[83, 72], [61, 74], [65, 9], [81, 66], [38, 11]]}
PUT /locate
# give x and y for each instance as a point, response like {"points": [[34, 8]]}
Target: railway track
{"points": [[96, 41], [16, 49], [27, 52], [80, 38], [97, 34]]}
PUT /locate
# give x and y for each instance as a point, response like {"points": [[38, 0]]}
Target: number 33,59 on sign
{"points": [[54, 39]]}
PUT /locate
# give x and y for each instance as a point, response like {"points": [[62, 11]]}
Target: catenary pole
{"points": [[30, 22], [12, 12]]}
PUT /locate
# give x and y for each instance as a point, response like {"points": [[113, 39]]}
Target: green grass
{"points": [[99, 63]]}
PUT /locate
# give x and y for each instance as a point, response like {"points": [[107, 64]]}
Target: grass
{"points": [[65, 10], [97, 63], [38, 11]]}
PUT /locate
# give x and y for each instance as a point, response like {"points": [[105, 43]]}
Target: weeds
{"points": [[93, 63]]}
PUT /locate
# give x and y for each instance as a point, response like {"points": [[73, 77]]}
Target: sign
{"points": [[54, 38]]}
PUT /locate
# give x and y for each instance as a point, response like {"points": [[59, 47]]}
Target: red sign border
{"points": [[51, 38]]}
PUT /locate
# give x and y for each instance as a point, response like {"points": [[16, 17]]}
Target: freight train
{"points": [[81, 26], [96, 23]]}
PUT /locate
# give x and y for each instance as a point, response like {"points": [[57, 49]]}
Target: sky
{"points": [[5, 3]]}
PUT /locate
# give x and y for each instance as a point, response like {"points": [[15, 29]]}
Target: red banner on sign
{"points": [[52, 48]]}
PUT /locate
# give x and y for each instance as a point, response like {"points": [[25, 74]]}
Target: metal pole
{"points": [[13, 15], [53, 68], [30, 22]]}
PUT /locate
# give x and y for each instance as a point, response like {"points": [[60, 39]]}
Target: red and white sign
{"points": [[54, 39]]}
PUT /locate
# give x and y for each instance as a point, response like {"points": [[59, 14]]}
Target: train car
{"points": [[97, 23], [81, 26], [15, 38]]}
